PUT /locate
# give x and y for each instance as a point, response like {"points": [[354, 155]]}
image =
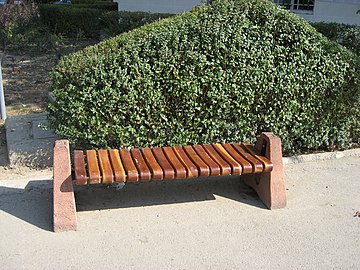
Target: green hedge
{"points": [[115, 23], [130, 20], [223, 72], [74, 2], [344, 34], [71, 21], [89, 1], [110, 6]]}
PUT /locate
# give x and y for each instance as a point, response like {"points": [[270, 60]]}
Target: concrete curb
{"points": [[321, 156]]}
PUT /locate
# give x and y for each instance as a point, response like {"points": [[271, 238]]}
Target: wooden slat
{"points": [[118, 168], [144, 172], [167, 163], [268, 166], [180, 171], [255, 163], [236, 167], [105, 167], [129, 166], [156, 170], [214, 167], [245, 164], [93, 167], [224, 166], [191, 169], [202, 167], [79, 167], [169, 172]]}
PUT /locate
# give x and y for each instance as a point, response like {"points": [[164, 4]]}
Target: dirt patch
{"points": [[26, 76], [26, 81]]}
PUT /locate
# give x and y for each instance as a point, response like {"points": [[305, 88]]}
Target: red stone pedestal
{"points": [[269, 186], [64, 200]]}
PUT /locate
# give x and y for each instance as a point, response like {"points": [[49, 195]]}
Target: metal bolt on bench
{"points": [[261, 167]]}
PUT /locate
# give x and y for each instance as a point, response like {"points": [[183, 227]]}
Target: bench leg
{"points": [[269, 186], [64, 200]]}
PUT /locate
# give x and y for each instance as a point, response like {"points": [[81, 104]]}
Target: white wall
{"points": [[341, 11], [161, 6]]}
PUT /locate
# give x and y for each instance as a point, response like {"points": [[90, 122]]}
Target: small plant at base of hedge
{"points": [[223, 72]]}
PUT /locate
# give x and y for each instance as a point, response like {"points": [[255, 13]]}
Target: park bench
{"points": [[260, 166]]}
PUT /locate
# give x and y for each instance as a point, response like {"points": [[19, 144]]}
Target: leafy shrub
{"points": [[220, 73], [344, 34]]}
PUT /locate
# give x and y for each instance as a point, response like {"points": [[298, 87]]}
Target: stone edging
{"points": [[321, 156]]}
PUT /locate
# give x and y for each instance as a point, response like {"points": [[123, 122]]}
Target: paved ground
{"points": [[204, 224]]}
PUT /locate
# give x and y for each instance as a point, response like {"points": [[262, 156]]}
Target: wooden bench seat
{"points": [[260, 165], [166, 163]]}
